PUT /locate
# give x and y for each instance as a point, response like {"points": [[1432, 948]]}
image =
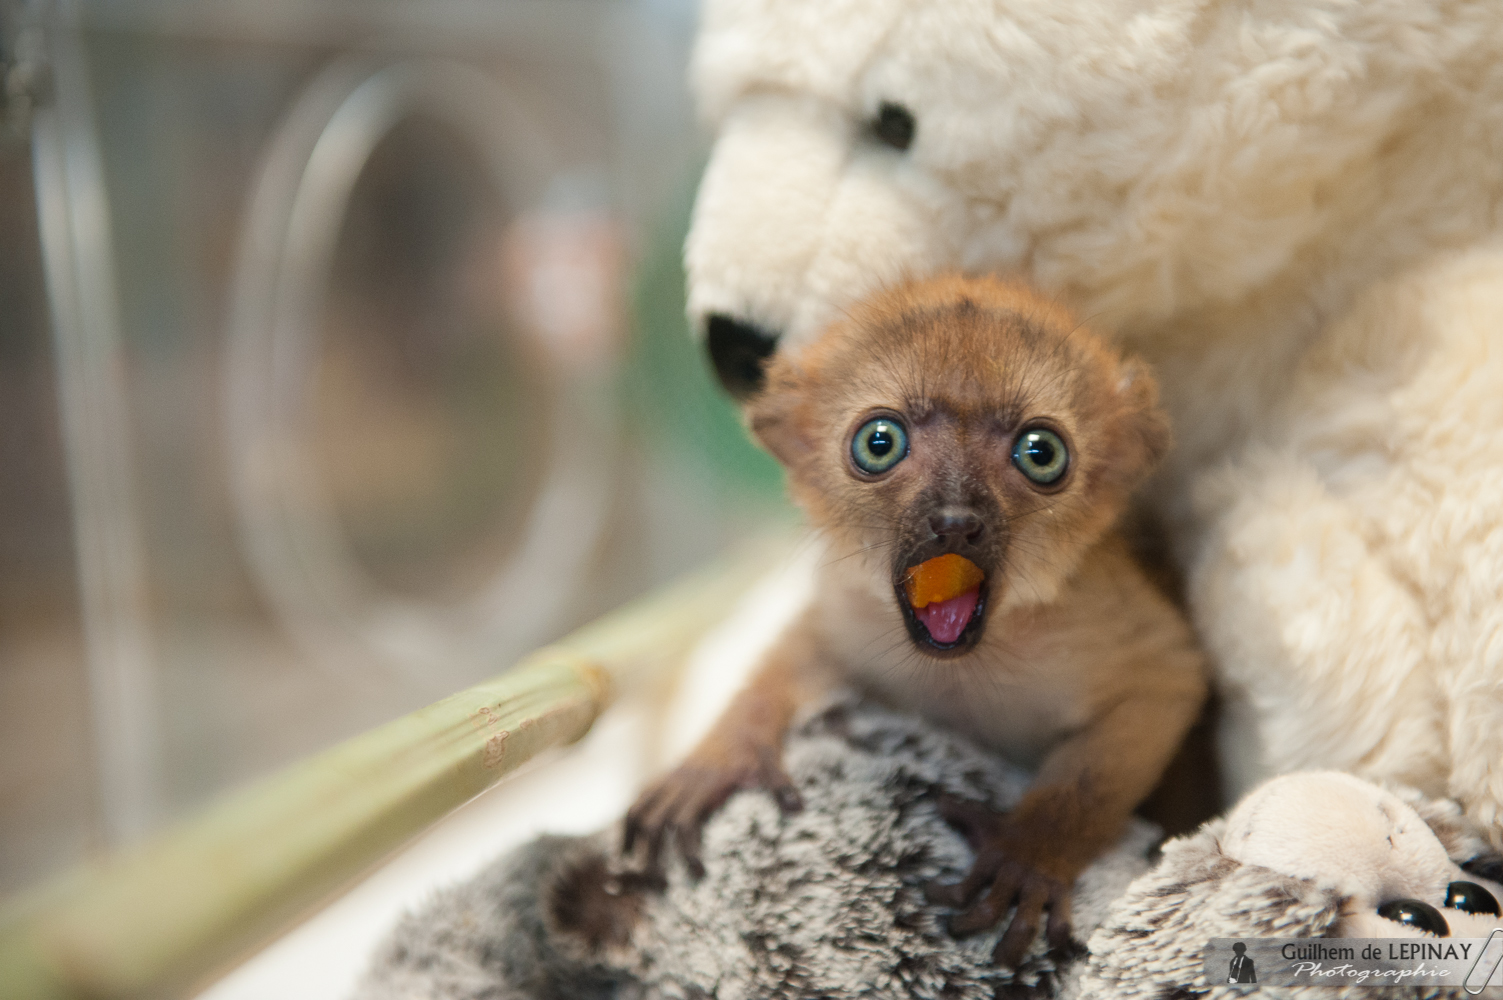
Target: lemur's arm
{"points": [[1147, 696], [1077, 807], [743, 750]]}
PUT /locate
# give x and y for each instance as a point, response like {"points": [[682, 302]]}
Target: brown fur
{"points": [[1078, 665], [600, 908]]}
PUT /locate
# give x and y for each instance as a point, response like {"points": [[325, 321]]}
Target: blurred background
{"points": [[342, 361]]}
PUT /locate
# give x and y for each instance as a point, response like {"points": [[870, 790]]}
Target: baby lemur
{"points": [[965, 446]]}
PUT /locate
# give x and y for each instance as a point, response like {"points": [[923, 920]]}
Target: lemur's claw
{"points": [[683, 800], [1001, 878]]}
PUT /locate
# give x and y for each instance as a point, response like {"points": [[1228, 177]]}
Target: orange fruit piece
{"points": [[940, 579]]}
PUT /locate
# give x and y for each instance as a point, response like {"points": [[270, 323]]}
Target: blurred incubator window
{"points": [[419, 445], [343, 362]]}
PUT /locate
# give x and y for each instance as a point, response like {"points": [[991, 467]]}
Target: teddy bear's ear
{"points": [[740, 352]]}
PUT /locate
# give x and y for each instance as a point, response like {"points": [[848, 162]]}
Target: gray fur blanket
{"points": [[824, 903], [827, 903]]}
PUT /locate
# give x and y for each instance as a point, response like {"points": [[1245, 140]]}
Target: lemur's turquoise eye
{"points": [[1041, 456], [878, 445]]}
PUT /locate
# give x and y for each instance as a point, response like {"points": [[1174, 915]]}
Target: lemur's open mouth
{"points": [[943, 599]]}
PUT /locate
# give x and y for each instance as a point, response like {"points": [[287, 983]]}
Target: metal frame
{"points": [[74, 221]]}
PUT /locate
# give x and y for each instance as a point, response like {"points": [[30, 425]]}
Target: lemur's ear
{"points": [[775, 416], [1139, 395]]}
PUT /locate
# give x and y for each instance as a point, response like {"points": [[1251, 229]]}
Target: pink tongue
{"points": [[945, 620]]}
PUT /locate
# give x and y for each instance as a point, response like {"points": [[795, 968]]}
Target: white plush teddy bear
{"points": [[1291, 208]]}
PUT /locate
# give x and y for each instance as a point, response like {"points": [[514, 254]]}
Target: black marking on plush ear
{"points": [[739, 351], [895, 125]]}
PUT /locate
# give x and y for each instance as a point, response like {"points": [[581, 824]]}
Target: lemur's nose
{"points": [[949, 524], [740, 351]]}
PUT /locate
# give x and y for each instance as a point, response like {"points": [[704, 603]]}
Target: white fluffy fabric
{"points": [[1291, 208]]}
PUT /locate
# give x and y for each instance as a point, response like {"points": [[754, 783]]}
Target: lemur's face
{"points": [[968, 438]]}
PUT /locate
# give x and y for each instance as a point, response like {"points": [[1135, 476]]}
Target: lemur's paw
{"points": [[1002, 877], [681, 802]]}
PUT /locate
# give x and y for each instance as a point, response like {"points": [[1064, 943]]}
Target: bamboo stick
{"points": [[164, 919]]}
